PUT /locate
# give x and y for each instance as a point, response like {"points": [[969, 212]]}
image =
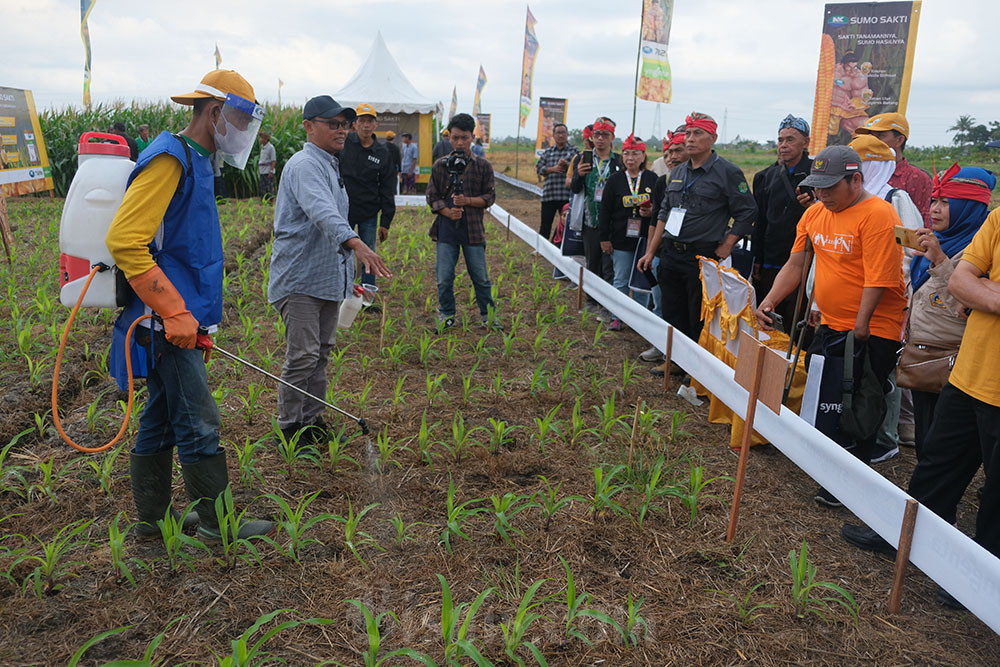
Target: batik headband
{"points": [[795, 123]]}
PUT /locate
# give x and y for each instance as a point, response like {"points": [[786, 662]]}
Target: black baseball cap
{"points": [[325, 106], [831, 165]]}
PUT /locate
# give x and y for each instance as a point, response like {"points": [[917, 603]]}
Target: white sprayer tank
{"points": [[91, 203]]}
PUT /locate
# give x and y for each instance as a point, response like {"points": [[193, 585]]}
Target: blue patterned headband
{"points": [[795, 123]]}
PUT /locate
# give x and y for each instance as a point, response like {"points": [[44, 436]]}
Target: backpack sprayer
{"points": [[88, 275]]}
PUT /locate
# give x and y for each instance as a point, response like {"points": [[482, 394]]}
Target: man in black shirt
{"points": [[370, 180], [394, 153], [703, 194], [779, 210]]}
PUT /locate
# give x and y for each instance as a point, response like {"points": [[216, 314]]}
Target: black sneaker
{"points": [[824, 497], [317, 432], [865, 538], [946, 599], [445, 321], [289, 432], [881, 453], [374, 309]]}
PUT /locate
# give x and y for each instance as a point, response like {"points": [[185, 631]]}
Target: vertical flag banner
{"points": [[454, 103], [480, 84], [24, 163], [86, 6], [218, 56], [654, 75], [280, 84], [483, 128], [528, 65], [865, 64], [551, 110]]}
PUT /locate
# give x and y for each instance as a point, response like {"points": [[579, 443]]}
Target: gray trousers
{"points": [[310, 332]]}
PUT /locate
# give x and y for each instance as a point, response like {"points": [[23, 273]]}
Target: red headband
{"points": [[947, 186], [632, 144], [673, 139], [587, 131], [601, 126], [702, 122]]}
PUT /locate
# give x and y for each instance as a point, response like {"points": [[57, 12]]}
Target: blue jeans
{"points": [[368, 232], [622, 260], [657, 291], [180, 410], [475, 262]]}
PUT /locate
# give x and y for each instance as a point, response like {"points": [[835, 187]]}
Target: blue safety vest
{"points": [[187, 247]]}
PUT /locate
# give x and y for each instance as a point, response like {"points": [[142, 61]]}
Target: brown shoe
{"points": [[658, 371]]}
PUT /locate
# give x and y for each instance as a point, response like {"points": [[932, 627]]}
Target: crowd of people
{"points": [[833, 226], [900, 268]]}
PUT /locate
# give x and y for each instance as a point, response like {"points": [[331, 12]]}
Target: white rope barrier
{"points": [[966, 570]]}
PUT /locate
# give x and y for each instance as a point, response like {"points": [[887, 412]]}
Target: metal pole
{"points": [[638, 57], [360, 420]]}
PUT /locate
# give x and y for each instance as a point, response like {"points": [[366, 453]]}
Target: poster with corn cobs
{"points": [[865, 63], [654, 73], [24, 164]]}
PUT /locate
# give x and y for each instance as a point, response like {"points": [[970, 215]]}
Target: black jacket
{"points": [[614, 214], [441, 149], [778, 211], [394, 152], [370, 179]]}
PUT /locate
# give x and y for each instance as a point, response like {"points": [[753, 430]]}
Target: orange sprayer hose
{"points": [[55, 375]]}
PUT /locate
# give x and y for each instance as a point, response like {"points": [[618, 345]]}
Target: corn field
{"points": [[62, 129]]}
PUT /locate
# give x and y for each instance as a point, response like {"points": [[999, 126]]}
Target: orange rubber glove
{"points": [[157, 292]]}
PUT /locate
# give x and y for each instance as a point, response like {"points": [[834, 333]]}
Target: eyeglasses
{"points": [[601, 134], [334, 124]]}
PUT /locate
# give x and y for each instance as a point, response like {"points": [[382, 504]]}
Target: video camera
{"points": [[456, 163]]}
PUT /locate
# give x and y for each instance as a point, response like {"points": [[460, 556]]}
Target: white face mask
{"points": [[233, 142]]}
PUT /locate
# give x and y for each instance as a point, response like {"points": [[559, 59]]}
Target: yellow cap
{"points": [[885, 121], [218, 83], [445, 132], [366, 110], [869, 149], [390, 134]]}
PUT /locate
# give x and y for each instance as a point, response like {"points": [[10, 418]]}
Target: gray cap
{"points": [[325, 106], [831, 165]]}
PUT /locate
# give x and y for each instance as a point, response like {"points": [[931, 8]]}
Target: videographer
{"points": [[459, 191]]}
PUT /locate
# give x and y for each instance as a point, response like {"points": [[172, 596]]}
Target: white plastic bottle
{"points": [[349, 308], [91, 203]]}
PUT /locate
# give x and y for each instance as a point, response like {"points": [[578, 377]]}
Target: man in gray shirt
{"points": [[312, 261], [702, 195]]}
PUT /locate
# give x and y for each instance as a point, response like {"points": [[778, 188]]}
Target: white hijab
{"points": [[877, 174]]}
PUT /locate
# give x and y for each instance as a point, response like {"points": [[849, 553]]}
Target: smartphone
{"points": [[588, 157], [777, 321], [650, 277], [807, 189], [908, 238]]}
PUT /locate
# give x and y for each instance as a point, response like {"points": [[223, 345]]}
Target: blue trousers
{"points": [[475, 262], [368, 232], [180, 410]]}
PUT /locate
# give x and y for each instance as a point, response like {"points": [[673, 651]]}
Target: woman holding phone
{"points": [[959, 204], [625, 214]]}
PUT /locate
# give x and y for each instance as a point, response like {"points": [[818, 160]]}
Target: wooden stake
{"points": [[666, 357], [508, 226], [579, 291], [381, 333], [903, 554], [635, 432], [734, 513]]}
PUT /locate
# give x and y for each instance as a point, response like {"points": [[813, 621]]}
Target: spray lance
{"points": [[204, 342]]}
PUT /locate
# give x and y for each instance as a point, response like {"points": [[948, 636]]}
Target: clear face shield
{"points": [[236, 129]]}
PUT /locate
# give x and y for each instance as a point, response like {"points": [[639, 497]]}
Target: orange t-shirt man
{"points": [[856, 248]]}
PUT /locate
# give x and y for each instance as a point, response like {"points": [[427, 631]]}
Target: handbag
{"points": [[925, 366], [863, 407], [576, 206]]}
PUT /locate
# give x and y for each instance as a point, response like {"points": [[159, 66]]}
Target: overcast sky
{"points": [[748, 62]]}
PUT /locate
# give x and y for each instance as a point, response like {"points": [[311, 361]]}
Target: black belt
{"points": [[696, 248]]}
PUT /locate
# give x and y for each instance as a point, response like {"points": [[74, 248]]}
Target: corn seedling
{"points": [[577, 609], [497, 383], [292, 453], [578, 428], [337, 451], [456, 516], [515, 631], [398, 395], [461, 437], [677, 431], [805, 588], [246, 456], [433, 387], [116, 543], [294, 524], [42, 424], [696, 484], [539, 381], [454, 629], [748, 613], [505, 508], [469, 388], [229, 523], [147, 656], [52, 565], [628, 373], [12, 473], [386, 451], [402, 531], [608, 421], [544, 426], [47, 485], [373, 628], [634, 622], [605, 490], [425, 347], [174, 539], [354, 538], [251, 401], [508, 342], [104, 468], [540, 340], [501, 435], [247, 649], [424, 439], [549, 502]]}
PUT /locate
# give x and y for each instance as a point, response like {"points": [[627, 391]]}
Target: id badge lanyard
{"points": [[634, 224], [675, 220], [602, 177]]}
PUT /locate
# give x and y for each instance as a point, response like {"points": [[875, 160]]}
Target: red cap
{"points": [[120, 147]]}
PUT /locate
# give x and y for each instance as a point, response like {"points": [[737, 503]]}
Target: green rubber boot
{"points": [[151, 476], [205, 481]]}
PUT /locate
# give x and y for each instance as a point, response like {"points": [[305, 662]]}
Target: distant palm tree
{"points": [[962, 129]]}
